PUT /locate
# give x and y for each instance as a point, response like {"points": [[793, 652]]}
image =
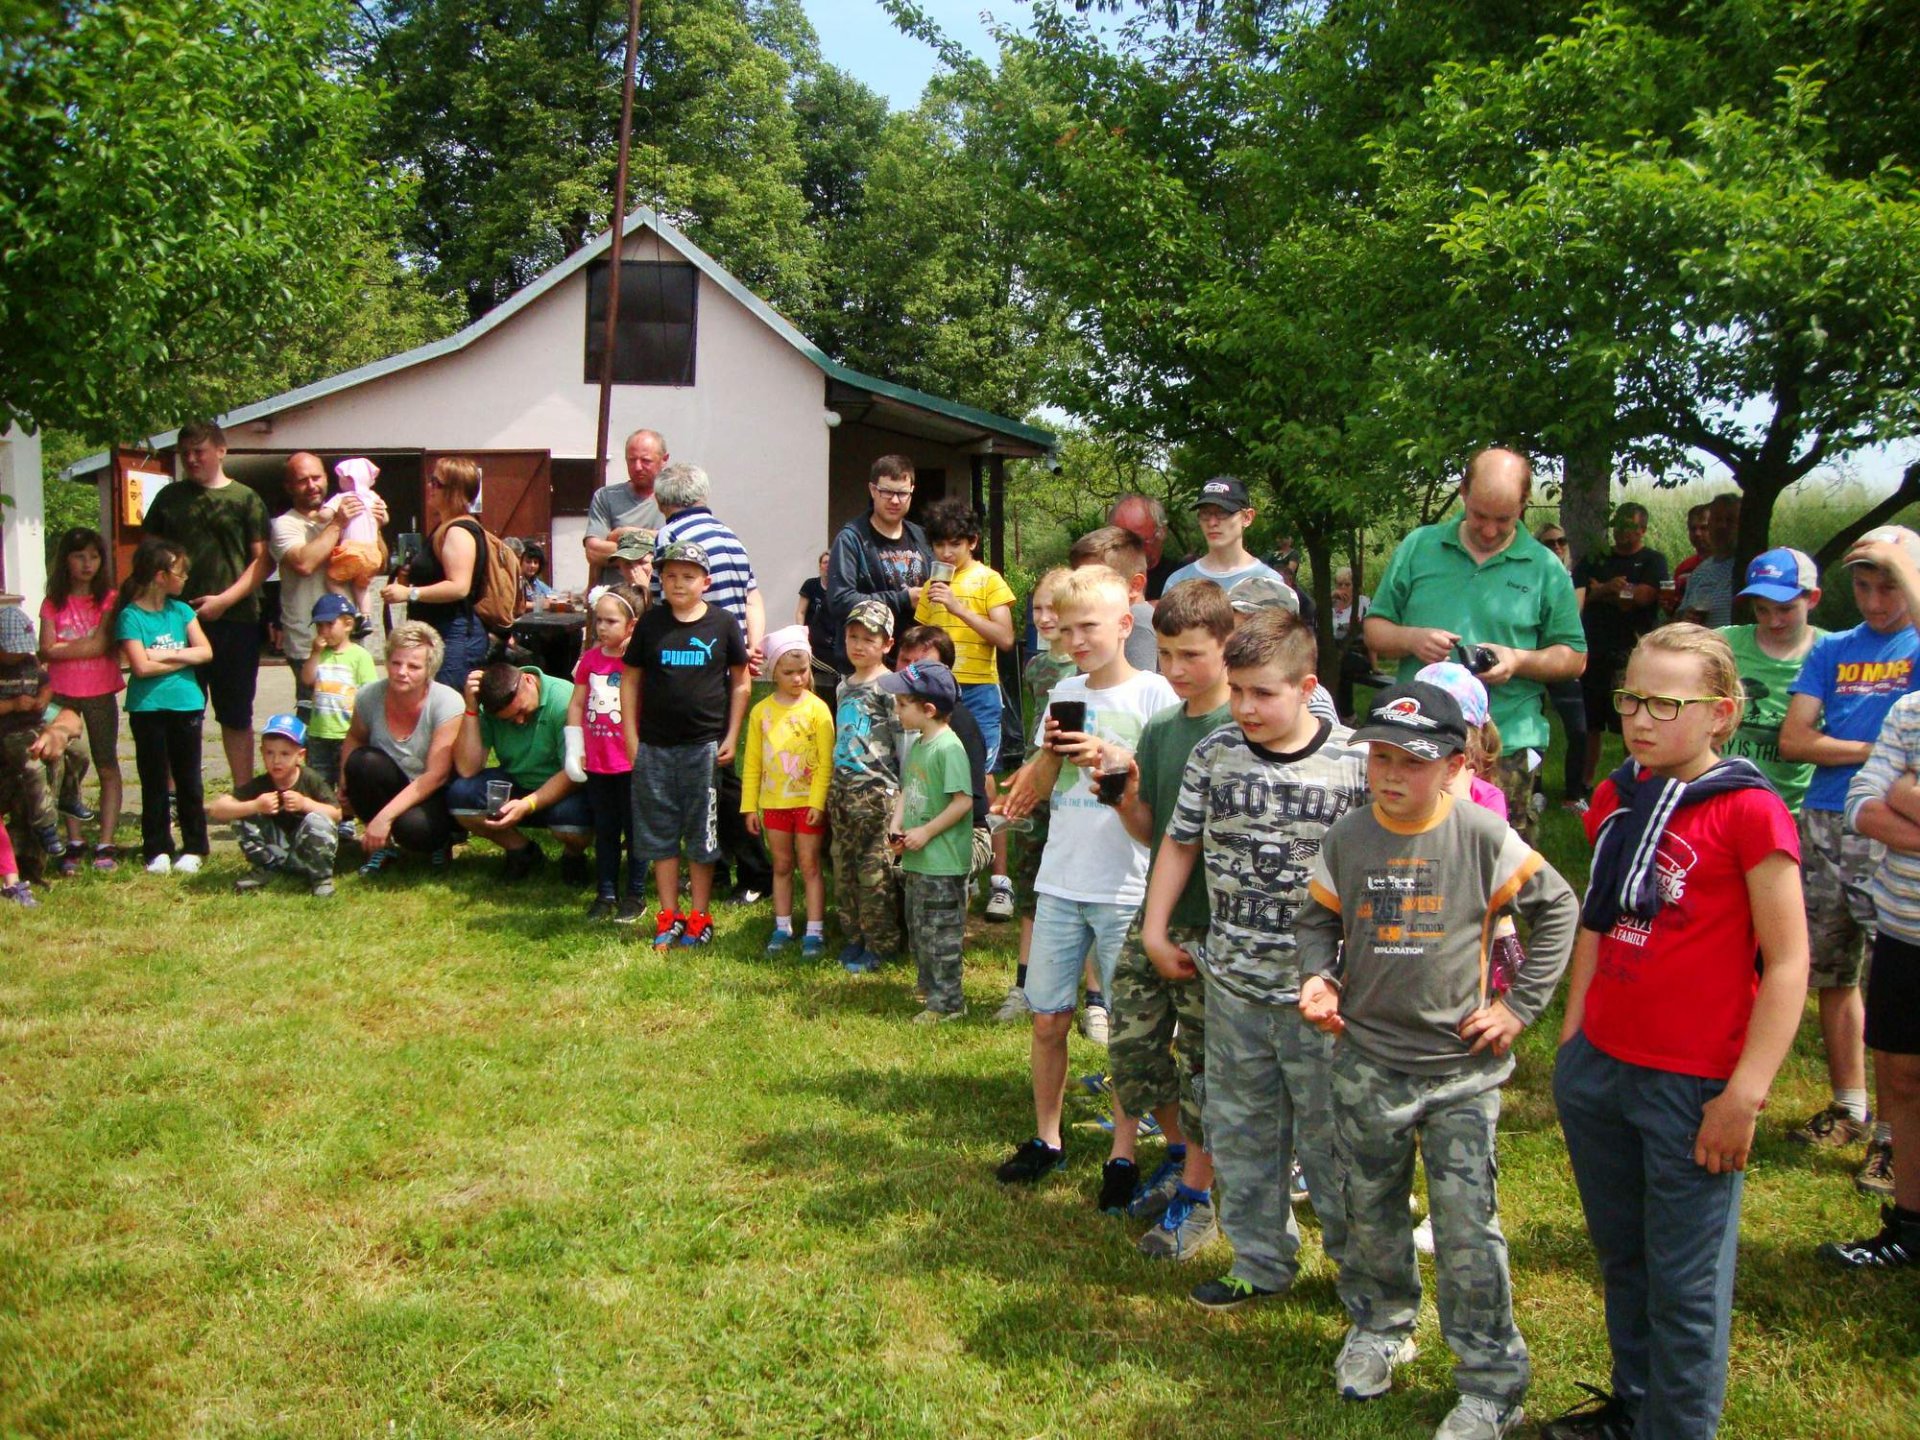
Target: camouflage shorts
{"points": [[1836, 866], [307, 853], [1158, 1049], [936, 929], [1515, 780]]}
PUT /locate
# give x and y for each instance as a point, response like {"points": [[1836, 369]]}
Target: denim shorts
{"points": [[674, 800], [1062, 931]]}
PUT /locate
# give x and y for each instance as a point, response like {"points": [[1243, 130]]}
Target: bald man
{"points": [[619, 510], [300, 541], [1481, 581], [1145, 518]]}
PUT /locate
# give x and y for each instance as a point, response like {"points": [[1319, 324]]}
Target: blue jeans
{"points": [[984, 701], [1665, 1231], [571, 814], [1062, 930], [467, 641]]}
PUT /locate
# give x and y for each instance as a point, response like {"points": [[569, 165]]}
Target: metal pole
{"points": [[613, 250]]}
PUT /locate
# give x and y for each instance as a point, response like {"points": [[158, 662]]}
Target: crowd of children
{"points": [[1303, 933]]}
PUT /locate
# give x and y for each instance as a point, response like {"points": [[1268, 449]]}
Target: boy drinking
{"points": [[1254, 805], [860, 796], [1846, 687], [1157, 1050], [974, 606], [333, 672], [931, 833], [1393, 945], [285, 819], [690, 660], [1784, 586], [1092, 873]]}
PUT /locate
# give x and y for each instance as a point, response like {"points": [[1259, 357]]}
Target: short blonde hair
{"points": [[1091, 586], [1719, 674], [418, 635], [1046, 590]]}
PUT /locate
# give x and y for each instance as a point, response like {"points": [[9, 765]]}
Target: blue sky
{"points": [[860, 38]]}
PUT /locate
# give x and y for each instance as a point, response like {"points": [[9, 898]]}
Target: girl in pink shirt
{"points": [[76, 636], [597, 753]]}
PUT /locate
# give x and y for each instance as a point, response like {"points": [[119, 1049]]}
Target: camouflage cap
{"points": [[686, 553], [634, 546], [1263, 592], [874, 615]]}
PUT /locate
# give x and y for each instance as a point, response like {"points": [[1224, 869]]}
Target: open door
{"points": [[516, 491]]}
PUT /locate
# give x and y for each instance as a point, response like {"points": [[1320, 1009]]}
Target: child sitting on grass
{"points": [[25, 689], [285, 818], [1393, 948], [783, 784]]}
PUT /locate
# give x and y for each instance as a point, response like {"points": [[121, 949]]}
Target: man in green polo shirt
{"points": [[1482, 580], [520, 716]]}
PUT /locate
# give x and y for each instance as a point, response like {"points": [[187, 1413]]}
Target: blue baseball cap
{"points": [[332, 607], [287, 727], [1781, 575], [926, 680]]}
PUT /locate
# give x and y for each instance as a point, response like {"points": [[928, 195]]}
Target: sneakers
{"points": [[850, 957], [51, 841], [697, 929], [602, 908], [385, 858], [1296, 1183], [1600, 1417], [521, 863], [21, 894], [668, 930], [105, 858], [575, 869], [778, 941], [1152, 1198], [1096, 1024], [346, 832], [1896, 1247], [1000, 899], [1119, 1181], [1875, 1177], [78, 809], [1478, 1418], [628, 912], [872, 960], [1014, 1007], [1229, 1292], [1364, 1368], [812, 947], [937, 1017], [70, 863], [1031, 1163], [252, 883], [188, 865], [160, 865], [1574, 807], [1184, 1229], [1423, 1236], [322, 889], [1832, 1128]]}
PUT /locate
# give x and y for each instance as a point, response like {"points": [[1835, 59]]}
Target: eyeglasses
{"points": [[1661, 707], [885, 494]]}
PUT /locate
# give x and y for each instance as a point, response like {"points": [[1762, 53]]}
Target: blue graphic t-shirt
{"points": [[866, 740], [686, 677], [1856, 676]]}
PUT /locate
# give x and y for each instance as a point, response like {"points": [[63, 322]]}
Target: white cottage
{"points": [[786, 434]]}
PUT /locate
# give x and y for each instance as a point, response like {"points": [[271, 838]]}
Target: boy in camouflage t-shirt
{"points": [[860, 796], [1254, 804]]}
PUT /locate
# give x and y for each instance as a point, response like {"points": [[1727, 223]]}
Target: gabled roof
{"points": [[1025, 435]]}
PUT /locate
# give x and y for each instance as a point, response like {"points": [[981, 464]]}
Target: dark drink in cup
{"points": [[1110, 786], [1070, 715]]}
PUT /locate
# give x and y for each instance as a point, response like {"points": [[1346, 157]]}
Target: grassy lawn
{"points": [[437, 1158]]}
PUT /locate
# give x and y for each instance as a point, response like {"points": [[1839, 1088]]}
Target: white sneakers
{"points": [[1096, 1023], [167, 865], [160, 865], [187, 865]]}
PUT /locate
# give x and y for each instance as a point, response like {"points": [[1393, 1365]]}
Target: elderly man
{"points": [[222, 525], [1482, 583], [617, 511], [301, 542], [1145, 518], [520, 716], [682, 491]]}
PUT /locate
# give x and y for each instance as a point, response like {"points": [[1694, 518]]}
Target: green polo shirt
{"points": [[1522, 597], [533, 753]]}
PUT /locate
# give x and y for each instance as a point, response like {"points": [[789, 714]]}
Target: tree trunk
{"points": [[1319, 548], [1586, 498]]}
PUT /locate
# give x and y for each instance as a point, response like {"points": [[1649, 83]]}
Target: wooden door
{"points": [[516, 491], [123, 507]]}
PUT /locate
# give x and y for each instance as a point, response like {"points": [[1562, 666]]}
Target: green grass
{"points": [[439, 1159]]}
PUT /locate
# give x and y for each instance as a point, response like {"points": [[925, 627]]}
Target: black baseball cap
{"points": [[1420, 718], [1224, 491]]}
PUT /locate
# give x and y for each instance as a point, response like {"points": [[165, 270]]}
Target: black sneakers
{"points": [[1602, 1417], [1119, 1181], [1894, 1248], [1031, 1163]]}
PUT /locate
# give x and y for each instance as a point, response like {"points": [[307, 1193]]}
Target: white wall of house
{"points": [[754, 419], [24, 549]]}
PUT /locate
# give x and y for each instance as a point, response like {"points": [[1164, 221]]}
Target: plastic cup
{"points": [[499, 792]]}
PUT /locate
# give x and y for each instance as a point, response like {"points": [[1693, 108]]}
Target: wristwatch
{"points": [[413, 595]]}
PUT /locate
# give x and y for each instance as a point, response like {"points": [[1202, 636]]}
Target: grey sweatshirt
{"points": [[1415, 911]]}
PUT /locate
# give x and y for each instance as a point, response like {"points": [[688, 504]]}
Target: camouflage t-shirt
{"points": [[866, 741], [1259, 816]]}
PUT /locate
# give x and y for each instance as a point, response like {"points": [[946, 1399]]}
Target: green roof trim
{"points": [[584, 256]]}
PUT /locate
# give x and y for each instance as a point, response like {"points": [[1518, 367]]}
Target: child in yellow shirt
{"points": [[975, 607], [783, 783]]}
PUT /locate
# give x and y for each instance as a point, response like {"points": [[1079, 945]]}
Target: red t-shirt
{"points": [[1675, 993]]}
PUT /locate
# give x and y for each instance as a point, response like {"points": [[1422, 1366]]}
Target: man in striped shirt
{"points": [[681, 492]]}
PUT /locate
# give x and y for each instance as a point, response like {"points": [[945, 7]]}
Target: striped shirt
{"points": [[1895, 886], [730, 570]]}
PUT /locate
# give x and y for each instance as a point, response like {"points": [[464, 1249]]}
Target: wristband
{"points": [[533, 803], [473, 714]]}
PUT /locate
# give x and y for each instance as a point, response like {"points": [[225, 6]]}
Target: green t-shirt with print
{"points": [[936, 771], [1766, 681]]}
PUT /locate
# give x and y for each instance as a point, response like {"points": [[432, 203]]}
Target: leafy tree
{"points": [[183, 199]]}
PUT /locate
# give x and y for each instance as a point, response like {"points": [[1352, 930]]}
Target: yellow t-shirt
{"points": [[979, 588], [789, 757]]}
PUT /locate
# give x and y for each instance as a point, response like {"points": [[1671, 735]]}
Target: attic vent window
{"points": [[659, 305]]}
